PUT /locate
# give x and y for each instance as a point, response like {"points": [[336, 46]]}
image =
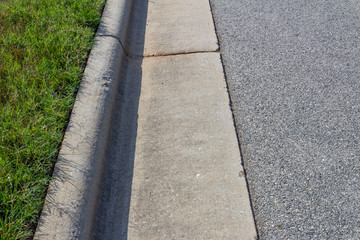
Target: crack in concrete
{"points": [[122, 46], [176, 53], [158, 54]]}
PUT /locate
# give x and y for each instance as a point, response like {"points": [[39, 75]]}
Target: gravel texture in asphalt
{"points": [[294, 79]]}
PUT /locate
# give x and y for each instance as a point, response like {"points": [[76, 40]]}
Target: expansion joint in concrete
{"points": [[121, 44], [157, 54], [176, 53]]}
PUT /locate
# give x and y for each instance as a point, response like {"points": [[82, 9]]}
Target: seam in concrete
{"points": [[155, 54], [174, 54], [122, 45], [235, 126]]}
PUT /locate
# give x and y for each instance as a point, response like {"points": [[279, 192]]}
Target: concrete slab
{"points": [[172, 27], [188, 180]]}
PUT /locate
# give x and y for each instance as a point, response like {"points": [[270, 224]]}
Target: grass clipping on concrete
{"points": [[44, 45]]}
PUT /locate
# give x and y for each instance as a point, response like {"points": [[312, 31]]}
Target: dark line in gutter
{"points": [[156, 54], [122, 46], [177, 53], [234, 124]]}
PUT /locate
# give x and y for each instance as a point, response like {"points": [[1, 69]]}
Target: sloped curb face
{"points": [[115, 20], [71, 198]]}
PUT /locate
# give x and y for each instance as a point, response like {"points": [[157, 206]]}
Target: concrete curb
{"points": [[70, 203], [115, 20]]}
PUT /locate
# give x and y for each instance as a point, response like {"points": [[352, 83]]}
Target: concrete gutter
{"points": [[173, 163], [70, 203]]}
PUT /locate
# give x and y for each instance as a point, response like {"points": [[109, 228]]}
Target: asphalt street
{"points": [[294, 78]]}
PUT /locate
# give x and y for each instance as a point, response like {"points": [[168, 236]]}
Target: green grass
{"points": [[44, 45]]}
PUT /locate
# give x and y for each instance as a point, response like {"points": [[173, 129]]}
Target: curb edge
{"points": [[70, 203]]}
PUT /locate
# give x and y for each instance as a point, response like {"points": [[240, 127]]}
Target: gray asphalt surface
{"points": [[294, 78]]}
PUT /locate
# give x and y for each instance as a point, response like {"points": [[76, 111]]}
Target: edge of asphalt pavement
{"points": [[69, 208]]}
